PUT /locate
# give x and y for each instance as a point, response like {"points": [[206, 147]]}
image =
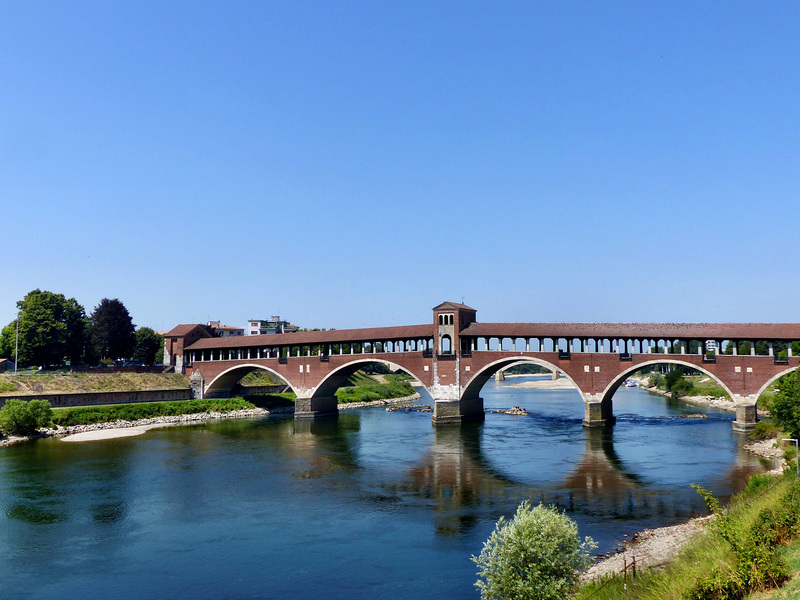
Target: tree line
{"points": [[51, 329]]}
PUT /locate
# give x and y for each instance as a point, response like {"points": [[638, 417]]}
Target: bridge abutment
{"points": [[746, 412], [598, 411], [315, 407]]}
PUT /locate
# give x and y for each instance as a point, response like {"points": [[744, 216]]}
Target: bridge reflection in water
{"points": [[460, 481]]}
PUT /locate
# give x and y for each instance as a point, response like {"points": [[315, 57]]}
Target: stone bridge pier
{"points": [[312, 407], [598, 411]]}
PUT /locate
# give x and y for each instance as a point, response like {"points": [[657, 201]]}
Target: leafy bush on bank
{"points": [[537, 554], [88, 415], [764, 430], [19, 417]]}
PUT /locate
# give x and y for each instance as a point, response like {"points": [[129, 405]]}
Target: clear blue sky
{"points": [[352, 164]]}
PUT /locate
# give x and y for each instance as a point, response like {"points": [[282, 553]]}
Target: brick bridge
{"points": [[455, 355]]}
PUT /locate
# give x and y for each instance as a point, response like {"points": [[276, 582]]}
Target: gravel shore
{"points": [[650, 548]]}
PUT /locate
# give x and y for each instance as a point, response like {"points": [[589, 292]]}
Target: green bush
{"points": [[535, 555], [718, 585], [764, 430], [18, 417]]}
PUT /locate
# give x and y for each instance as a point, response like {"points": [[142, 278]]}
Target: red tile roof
{"points": [[697, 331], [333, 336], [454, 305], [181, 330]]}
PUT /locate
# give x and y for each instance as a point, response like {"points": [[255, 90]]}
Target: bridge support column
{"points": [[197, 385], [315, 407], [746, 412], [598, 411], [448, 408]]}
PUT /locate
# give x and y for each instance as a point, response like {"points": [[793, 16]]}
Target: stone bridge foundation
{"points": [[458, 411], [597, 411], [746, 412], [315, 407]]}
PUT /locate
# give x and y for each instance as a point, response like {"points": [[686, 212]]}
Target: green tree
{"points": [[112, 329], [7, 340], [51, 328], [148, 345], [24, 418], [535, 555], [785, 408]]}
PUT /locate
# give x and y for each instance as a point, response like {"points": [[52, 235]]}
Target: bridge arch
{"points": [[773, 380], [334, 380], [479, 379], [230, 377], [613, 386]]}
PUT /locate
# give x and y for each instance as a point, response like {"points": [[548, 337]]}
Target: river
{"points": [[375, 504]]}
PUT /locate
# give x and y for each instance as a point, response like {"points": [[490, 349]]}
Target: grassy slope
{"points": [[790, 591], [89, 382], [695, 561]]}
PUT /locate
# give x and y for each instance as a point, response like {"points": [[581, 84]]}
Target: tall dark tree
{"points": [[51, 328], [112, 329], [148, 345]]}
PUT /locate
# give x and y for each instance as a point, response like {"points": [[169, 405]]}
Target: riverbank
{"points": [[650, 548], [656, 547], [115, 429], [706, 401], [562, 383]]}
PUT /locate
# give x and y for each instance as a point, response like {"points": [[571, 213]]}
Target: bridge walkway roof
{"points": [[693, 331], [332, 336]]}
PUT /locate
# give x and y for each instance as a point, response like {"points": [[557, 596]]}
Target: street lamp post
{"points": [[16, 347], [796, 454]]}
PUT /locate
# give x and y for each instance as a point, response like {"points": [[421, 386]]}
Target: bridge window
{"points": [[446, 345]]}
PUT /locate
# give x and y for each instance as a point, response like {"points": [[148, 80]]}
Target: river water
{"points": [[375, 504]]}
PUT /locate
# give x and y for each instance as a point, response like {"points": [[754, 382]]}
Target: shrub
{"points": [[764, 430], [758, 565], [757, 483], [655, 379], [18, 417], [537, 554]]}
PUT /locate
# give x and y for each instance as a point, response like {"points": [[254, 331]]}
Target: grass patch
{"points": [[7, 386], [377, 391], [360, 378], [270, 401], [261, 377], [703, 385], [88, 415]]}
